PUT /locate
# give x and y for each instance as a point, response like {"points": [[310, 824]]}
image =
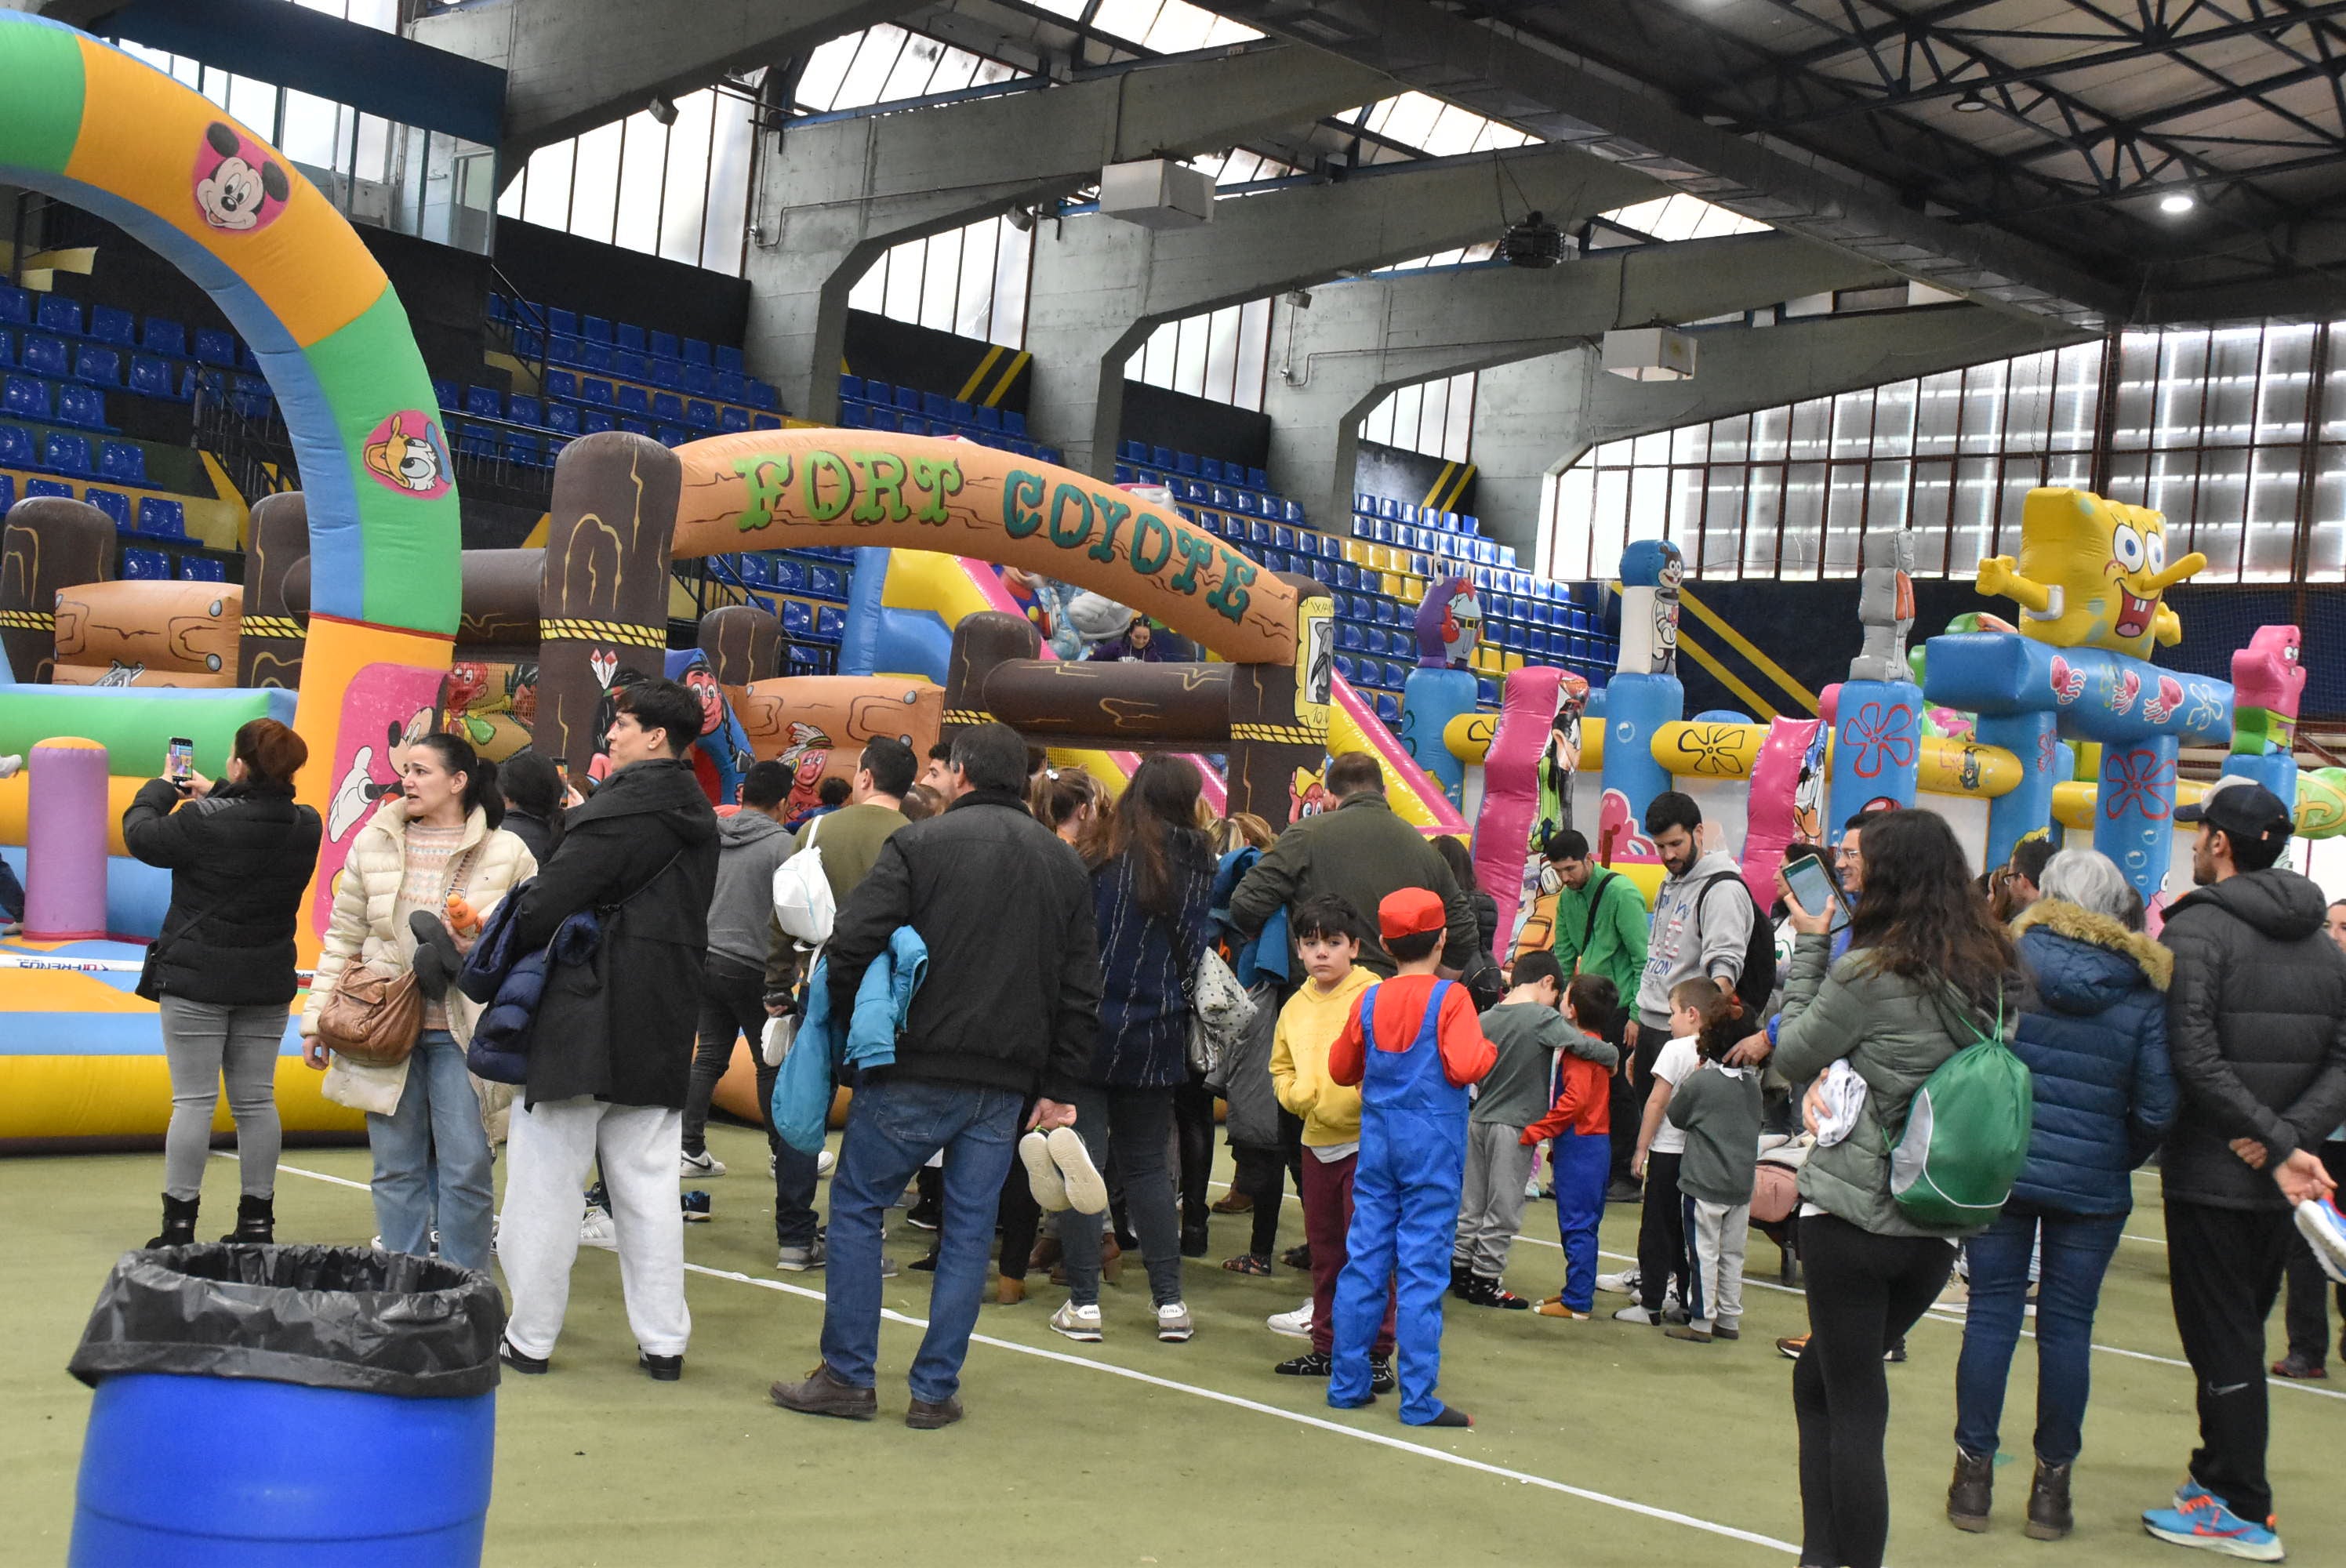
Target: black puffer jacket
{"points": [[643, 853], [2255, 1025], [1012, 995], [239, 859]]}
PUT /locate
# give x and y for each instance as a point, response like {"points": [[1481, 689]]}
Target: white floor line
{"points": [[2300, 1386], [1382, 1440]]}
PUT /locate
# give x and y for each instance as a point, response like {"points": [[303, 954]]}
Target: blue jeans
{"points": [[893, 1125], [2076, 1252], [432, 1154]]}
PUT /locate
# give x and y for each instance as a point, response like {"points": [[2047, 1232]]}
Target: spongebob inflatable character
{"points": [[2091, 573]]}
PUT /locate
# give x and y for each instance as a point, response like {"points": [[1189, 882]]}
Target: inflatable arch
{"points": [[89, 125]]}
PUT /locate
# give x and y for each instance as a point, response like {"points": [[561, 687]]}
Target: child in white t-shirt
{"points": [[1662, 1262]]}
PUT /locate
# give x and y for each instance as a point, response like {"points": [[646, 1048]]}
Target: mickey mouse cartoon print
{"points": [[404, 453], [238, 185]]}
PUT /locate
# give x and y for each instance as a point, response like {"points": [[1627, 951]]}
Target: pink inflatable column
{"points": [[64, 841]]}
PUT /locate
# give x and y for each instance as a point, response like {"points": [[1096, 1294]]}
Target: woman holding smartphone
{"points": [[239, 854]]}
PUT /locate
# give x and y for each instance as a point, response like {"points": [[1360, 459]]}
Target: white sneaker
{"points": [[1295, 1325], [700, 1165], [1086, 1189], [1078, 1322], [11, 765], [1622, 1284], [824, 1163], [1173, 1323], [596, 1230], [1042, 1177], [1635, 1312]]}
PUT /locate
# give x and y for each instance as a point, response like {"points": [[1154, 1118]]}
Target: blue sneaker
{"points": [[2324, 1228], [2198, 1519]]}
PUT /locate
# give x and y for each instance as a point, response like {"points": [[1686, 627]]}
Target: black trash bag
{"points": [[324, 1316]]}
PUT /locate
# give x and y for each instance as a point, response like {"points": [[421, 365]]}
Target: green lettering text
{"points": [[820, 509], [1230, 598], [1152, 543], [1112, 514], [1196, 551], [769, 479], [885, 501], [1022, 503], [943, 479], [1065, 536]]}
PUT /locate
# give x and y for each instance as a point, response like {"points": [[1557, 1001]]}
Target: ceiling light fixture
{"points": [[2176, 202], [1969, 104]]}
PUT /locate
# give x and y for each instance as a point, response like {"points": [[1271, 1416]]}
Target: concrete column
{"points": [[836, 195], [573, 64], [1539, 416], [1332, 363], [1102, 286]]}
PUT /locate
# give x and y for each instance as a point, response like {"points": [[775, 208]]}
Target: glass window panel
{"points": [[2218, 512], [2325, 555], [1731, 439], [2182, 389], [1254, 355], [1887, 487], [1804, 520], [1013, 267], [1221, 374], [1893, 420], [1853, 424], [1844, 518], [2076, 391], [643, 165], [870, 292], [1614, 454], [1763, 507], [826, 71], [1938, 402], [1721, 544], [313, 130], [726, 232], [1930, 495], [2029, 413], [1189, 357], [1609, 519], [1971, 515], [1458, 432], [904, 276], [2271, 536], [1683, 507], [939, 280], [1571, 501], [595, 187], [2233, 359], [1650, 503], [510, 199], [2018, 478], [1809, 427], [2281, 386], [1690, 443], [866, 77], [1647, 450], [1984, 400], [684, 203], [974, 310], [548, 197], [1768, 430]]}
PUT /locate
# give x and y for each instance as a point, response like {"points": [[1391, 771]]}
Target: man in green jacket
{"points": [[1600, 927], [1360, 852]]}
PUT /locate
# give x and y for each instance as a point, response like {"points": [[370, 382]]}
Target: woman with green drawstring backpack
{"points": [[1928, 974]]}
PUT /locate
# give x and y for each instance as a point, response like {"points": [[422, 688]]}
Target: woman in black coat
{"points": [[239, 854]]}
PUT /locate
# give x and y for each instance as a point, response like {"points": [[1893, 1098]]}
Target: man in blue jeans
{"points": [[1005, 1019]]}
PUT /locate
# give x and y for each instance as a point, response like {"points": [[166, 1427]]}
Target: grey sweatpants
{"points": [[204, 1041], [1491, 1205], [1716, 1233]]}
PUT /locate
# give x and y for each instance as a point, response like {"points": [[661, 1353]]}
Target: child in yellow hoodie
{"points": [[1327, 938]]}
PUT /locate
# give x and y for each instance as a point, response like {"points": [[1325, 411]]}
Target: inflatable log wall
{"points": [[50, 544]]}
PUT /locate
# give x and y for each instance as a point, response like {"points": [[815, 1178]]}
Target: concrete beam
{"points": [[1362, 340], [843, 191], [1538, 417], [1101, 287], [574, 65]]}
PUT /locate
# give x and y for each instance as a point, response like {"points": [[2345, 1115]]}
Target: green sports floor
{"points": [[1595, 1443]]}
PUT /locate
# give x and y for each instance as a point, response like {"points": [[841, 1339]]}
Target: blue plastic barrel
{"points": [[217, 1470]]}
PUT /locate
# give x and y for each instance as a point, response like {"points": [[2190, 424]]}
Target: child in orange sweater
{"points": [[1580, 1125]]}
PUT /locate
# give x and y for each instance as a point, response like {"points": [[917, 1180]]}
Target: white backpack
{"points": [[802, 898]]}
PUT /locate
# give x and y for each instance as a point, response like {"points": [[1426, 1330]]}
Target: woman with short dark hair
{"points": [[240, 852]]}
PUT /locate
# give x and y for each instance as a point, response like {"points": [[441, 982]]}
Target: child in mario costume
{"points": [[1427, 1048]]}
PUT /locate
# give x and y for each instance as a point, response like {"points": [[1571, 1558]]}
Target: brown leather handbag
{"points": [[376, 1011]]}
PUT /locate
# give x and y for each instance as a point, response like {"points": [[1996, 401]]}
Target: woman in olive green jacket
{"points": [[1925, 972]]}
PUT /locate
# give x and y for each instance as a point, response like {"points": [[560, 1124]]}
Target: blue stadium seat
{"points": [[203, 569], [594, 421], [109, 325], [7, 348], [631, 364], [561, 383], [696, 353], [146, 566], [214, 347], [7, 492], [123, 460], [595, 390], [16, 447], [827, 583], [494, 307], [700, 413], [1486, 690], [113, 503], [936, 405], [522, 409], [485, 403], [732, 419], [636, 426], [798, 618], [852, 387], [521, 448], [1013, 422], [730, 359], [734, 387], [830, 623], [594, 356], [561, 349], [595, 329], [16, 305], [668, 406], [663, 345], [562, 417], [443, 393], [60, 314], [162, 519], [529, 342], [472, 440], [634, 400], [627, 335], [83, 406], [699, 379], [55, 487], [667, 373], [764, 422], [789, 575], [563, 321], [671, 436], [46, 356]]}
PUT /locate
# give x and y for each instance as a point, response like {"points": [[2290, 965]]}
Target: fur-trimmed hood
{"points": [[2085, 962]]}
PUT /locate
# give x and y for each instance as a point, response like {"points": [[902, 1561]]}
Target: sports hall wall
{"points": [[621, 285]]}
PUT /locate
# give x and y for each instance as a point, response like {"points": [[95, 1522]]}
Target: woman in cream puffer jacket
{"points": [[425, 1122]]}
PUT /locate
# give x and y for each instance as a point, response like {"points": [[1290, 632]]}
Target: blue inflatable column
{"points": [[1877, 745], [2276, 771], [1635, 706], [1430, 698], [2134, 812], [859, 641], [2028, 808]]}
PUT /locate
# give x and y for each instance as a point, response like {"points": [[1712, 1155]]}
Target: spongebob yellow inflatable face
{"points": [[2091, 573]]}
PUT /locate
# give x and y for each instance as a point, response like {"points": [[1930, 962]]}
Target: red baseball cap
{"points": [[1411, 912]]}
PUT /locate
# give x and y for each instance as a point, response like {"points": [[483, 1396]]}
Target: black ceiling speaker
{"points": [[1534, 243]]}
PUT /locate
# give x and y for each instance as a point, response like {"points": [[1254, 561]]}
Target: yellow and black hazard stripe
{"points": [[566, 629]]}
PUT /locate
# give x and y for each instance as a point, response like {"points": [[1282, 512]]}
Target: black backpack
{"points": [[1758, 982]]}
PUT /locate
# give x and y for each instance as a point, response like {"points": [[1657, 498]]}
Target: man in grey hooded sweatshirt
{"points": [[1702, 926], [752, 845]]}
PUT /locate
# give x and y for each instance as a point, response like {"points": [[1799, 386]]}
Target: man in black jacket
{"points": [[612, 1050], [2255, 1025], [1009, 1010]]}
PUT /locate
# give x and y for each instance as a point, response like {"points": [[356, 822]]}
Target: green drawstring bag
{"points": [[1966, 1134]]}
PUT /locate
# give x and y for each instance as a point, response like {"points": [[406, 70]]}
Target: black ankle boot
{"points": [[178, 1222], [256, 1221], [2049, 1518], [1972, 1491]]}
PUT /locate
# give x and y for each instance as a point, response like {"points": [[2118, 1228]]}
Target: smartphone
{"points": [[179, 759], [1813, 886]]}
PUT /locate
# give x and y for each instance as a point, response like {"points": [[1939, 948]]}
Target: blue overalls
{"points": [[1406, 1191]]}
